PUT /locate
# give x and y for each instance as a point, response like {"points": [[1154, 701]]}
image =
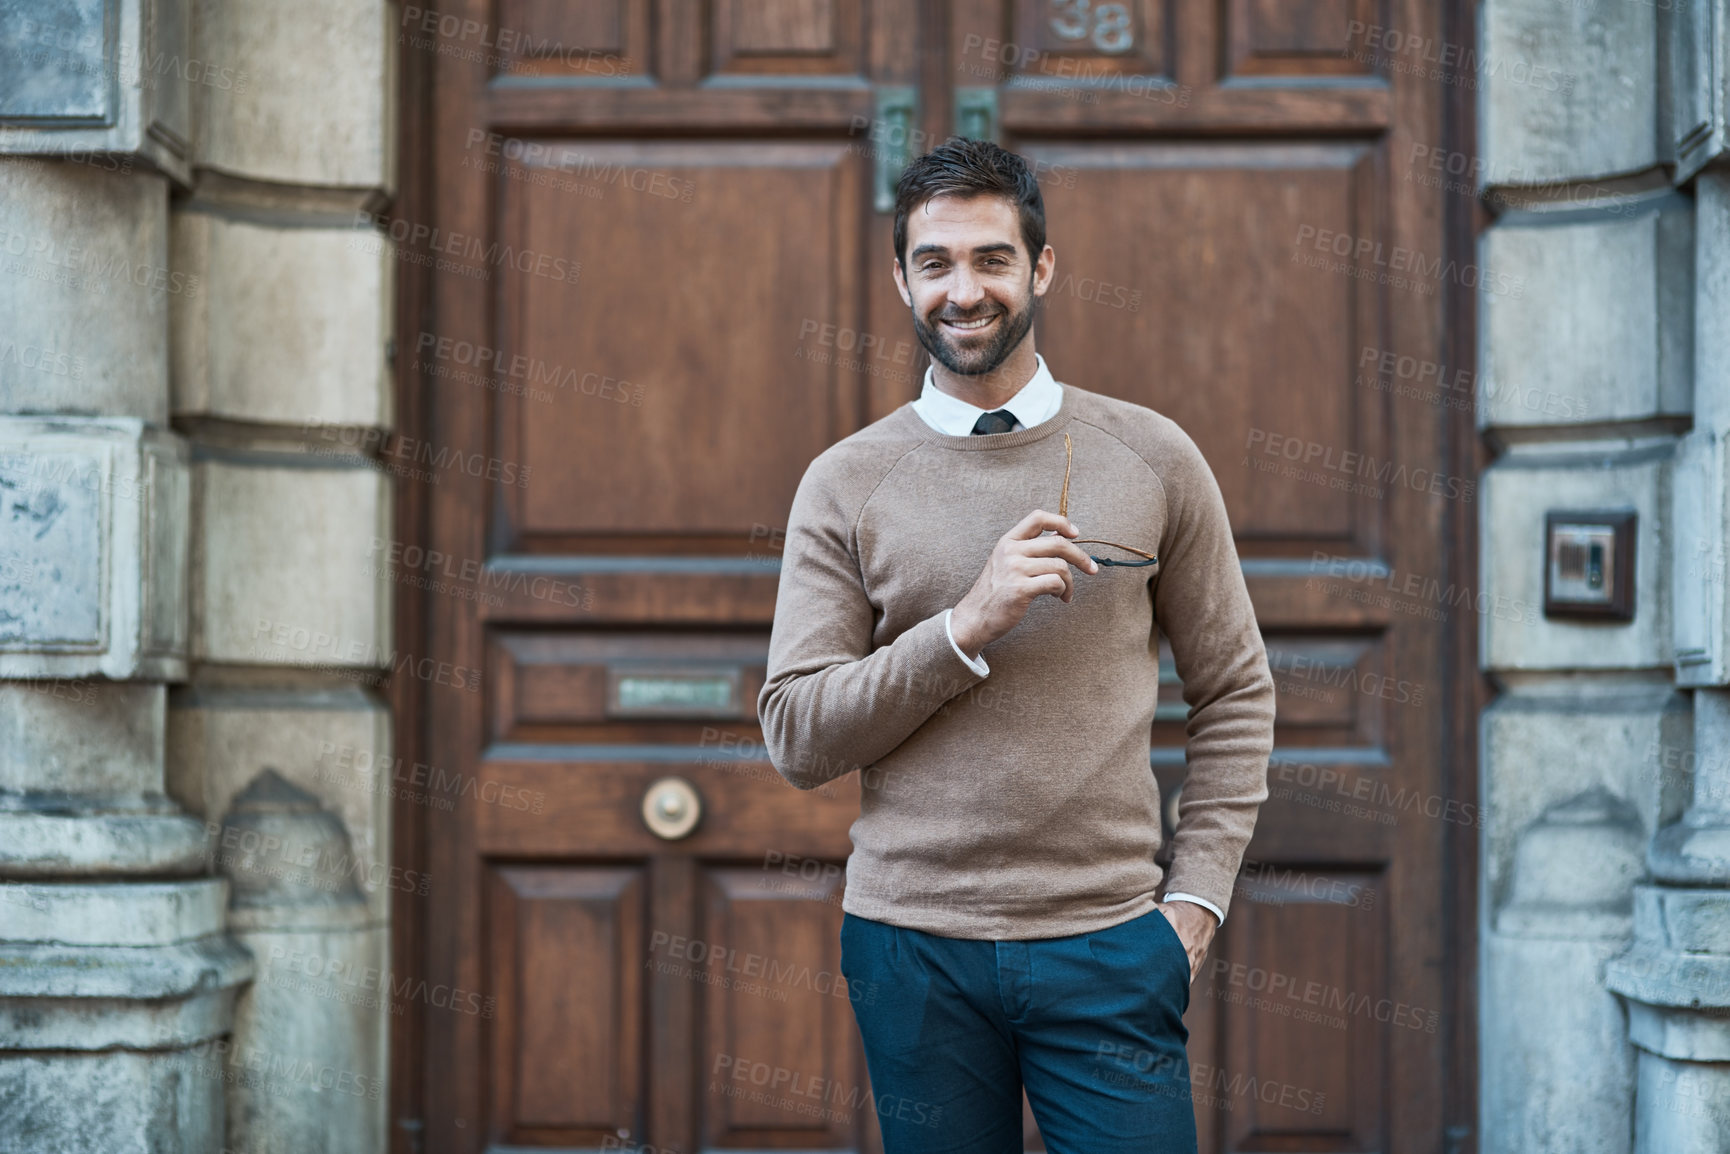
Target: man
{"points": [[1002, 898]]}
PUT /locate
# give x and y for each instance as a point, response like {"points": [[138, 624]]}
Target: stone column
{"points": [[114, 963], [281, 383], [1676, 977], [1559, 1075], [1584, 390]]}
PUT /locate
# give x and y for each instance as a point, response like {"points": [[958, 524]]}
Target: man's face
{"points": [[969, 281]]}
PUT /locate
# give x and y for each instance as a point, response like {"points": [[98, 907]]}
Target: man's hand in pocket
{"points": [[1195, 928]]}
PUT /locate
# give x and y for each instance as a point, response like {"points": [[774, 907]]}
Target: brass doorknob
{"points": [[671, 808]]}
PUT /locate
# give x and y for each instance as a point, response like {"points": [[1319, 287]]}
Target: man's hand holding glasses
{"points": [[1026, 563]]}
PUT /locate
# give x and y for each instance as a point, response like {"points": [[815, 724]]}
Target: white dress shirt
{"points": [[1037, 401]]}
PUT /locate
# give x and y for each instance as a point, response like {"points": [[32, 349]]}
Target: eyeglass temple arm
{"points": [[1115, 545], [1063, 511]]}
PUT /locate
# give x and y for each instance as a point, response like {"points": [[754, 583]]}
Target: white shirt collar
{"points": [[1038, 400]]}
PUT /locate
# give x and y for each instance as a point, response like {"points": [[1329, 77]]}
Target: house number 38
{"points": [[1105, 25]]}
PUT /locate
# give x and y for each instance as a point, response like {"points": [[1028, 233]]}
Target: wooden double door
{"points": [[655, 284]]}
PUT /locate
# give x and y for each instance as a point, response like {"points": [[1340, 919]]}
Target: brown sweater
{"points": [[1019, 804]]}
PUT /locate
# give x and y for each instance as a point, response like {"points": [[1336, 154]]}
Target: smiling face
{"points": [[970, 281]]}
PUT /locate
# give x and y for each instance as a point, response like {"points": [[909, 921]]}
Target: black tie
{"points": [[1000, 421]]}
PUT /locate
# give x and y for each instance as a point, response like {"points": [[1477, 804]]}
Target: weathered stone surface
{"points": [[47, 1023], [113, 913], [293, 326], [1687, 1034], [1682, 1107], [1542, 745], [116, 1102], [1712, 302], [1517, 491], [89, 78], [1574, 871], [1602, 329], [1557, 1073], [333, 744], [97, 587], [286, 564], [1696, 850], [98, 739], [319, 103], [1694, 105], [320, 1004], [129, 972], [1567, 91], [1700, 541], [84, 255], [73, 844], [1690, 920]]}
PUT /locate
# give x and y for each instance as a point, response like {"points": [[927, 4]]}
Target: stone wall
{"points": [[1600, 389], [194, 608]]}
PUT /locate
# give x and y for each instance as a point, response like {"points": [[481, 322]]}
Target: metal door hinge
{"points": [[976, 113], [892, 140]]}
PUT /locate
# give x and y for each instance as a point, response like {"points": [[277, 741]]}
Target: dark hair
{"points": [[967, 168]]}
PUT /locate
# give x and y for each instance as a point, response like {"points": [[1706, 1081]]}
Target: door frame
{"points": [[1466, 694]]}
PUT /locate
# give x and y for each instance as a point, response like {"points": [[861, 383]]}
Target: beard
{"points": [[976, 358]]}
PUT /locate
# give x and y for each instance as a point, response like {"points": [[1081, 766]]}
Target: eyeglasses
{"points": [[1063, 511]]}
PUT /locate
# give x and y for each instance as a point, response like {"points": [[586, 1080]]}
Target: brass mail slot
{"points": [[640, 691]]}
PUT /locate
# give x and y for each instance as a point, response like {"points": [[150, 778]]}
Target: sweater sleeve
{"points": [[830, 702], [1202, 606]]}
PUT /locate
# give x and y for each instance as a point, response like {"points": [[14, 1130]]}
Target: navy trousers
{"points": [[1091, 1025]]}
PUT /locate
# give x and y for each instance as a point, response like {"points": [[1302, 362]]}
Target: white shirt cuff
{"points": [[1202, 902], [976, 664]]}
